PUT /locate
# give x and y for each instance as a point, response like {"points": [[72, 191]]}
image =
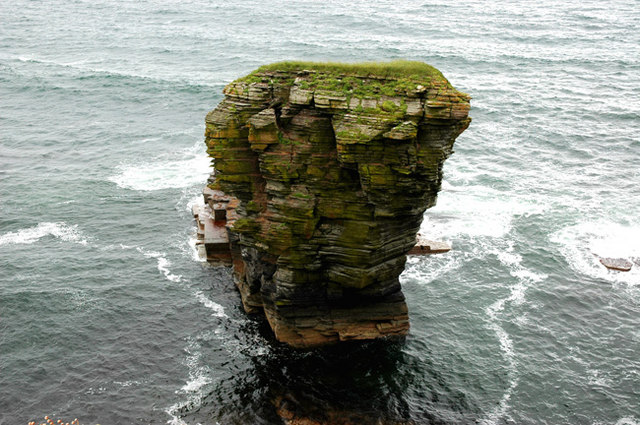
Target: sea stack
{"points": [[322, 174]]}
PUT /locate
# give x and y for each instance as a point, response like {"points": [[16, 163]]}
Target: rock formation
{"points": [[322, 175], [619, 264]]}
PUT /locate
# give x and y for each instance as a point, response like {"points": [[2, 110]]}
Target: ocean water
{"points": [[107, 315]]}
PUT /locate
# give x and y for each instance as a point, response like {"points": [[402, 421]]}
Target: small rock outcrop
{"points": [[322, 175], [619, 264]]}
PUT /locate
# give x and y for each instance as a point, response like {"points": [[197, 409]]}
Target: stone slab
{"points": [[426, 246], [216, 238], [619, 264]]}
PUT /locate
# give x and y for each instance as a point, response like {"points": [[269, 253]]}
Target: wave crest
{"points": [[583, 243], [60, 230], [191, 168]]}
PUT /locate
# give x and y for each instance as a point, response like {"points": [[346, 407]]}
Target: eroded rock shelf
{"points": [[322, 175]]}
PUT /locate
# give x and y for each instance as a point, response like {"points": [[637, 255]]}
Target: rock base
{"points": [[290, 412]]}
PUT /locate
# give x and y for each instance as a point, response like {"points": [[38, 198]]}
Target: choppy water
{"points": [[105, 315]]}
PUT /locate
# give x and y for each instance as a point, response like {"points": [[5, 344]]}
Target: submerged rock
{"points": [[619, 264], [328, 170], [292, 413]]}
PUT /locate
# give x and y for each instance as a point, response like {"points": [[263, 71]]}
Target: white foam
{"points": [[126, 383], [59, 230], [195, 384], [217, 309], [524, 276], [191, 167], [196, 200], [163, 264], [509, 258], [175, 420], [596, 379], [506, 345], [528, 275], [517, 292], [583, 243], [199, 377], [425, 269], [163, 267], [193, 251], [475, 211], [628, 420]]}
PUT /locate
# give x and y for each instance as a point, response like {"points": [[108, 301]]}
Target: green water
{"points": [[107, 315]]}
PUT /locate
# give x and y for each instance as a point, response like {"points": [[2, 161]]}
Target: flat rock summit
{"points": [[322, 175]]}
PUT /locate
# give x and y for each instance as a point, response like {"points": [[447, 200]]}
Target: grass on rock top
{"points": [[394, 77], [413, 70]]}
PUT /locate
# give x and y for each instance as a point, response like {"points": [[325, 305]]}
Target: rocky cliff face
{"points": [[324, 172]]}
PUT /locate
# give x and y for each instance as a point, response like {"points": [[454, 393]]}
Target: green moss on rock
{"points": [[335, 165], [351, 80], [402, 70]]}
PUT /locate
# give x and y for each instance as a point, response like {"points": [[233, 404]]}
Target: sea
{"points": [[108, 315]]}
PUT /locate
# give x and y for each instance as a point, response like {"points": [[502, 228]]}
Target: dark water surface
{"points": [[107, 315]]}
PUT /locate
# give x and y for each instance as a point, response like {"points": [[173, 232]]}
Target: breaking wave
{"points": [[516, 296], [217, 309], [163, 264], [60, 230], [189, 169], [582, 244], [475, 211]]}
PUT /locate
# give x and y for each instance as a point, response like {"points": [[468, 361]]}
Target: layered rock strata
{"points": [[324, 172]]}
